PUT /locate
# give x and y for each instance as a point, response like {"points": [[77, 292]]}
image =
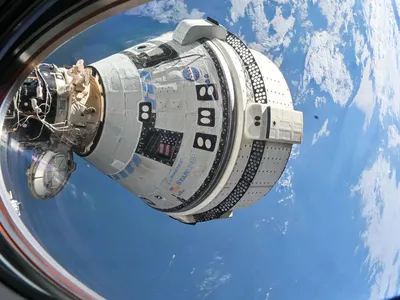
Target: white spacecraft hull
{"points": [[179, 126], [193, 122]]}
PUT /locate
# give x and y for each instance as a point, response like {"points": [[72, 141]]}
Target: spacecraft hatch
{"points": [[49, 172], [193, 122]]}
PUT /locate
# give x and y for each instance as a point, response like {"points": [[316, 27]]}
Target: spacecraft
{"points": [[192, 122]]}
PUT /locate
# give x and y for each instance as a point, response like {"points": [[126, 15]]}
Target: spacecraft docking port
{"points": [[193, 122]]}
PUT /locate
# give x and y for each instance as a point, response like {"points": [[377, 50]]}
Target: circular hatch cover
{"points": [[49, 173]]}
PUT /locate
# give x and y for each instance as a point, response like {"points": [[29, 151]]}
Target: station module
{"points": [[193, 122]]}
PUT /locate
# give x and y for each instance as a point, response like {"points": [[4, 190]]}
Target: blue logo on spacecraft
{"points": [[176, 186], [129, 169], [148, 88], [191, 73]]}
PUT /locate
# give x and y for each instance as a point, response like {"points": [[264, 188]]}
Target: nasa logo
{"points": [[191, 73]]}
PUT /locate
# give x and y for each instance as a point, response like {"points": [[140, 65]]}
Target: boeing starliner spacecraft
{"points": [[193, 122]]}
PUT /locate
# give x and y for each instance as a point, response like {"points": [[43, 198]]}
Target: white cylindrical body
{"points": [[195, 124]]}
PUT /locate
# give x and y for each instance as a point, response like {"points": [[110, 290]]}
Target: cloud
{"points": [[282, 32], [166, 11], [325, 66], [319, 101], [283, 27], [393, 137], [359, 45], [379, 191], [256, 46], [285, 182], [257, 224], [339, 14], [295, 152], [284, 228], [321, 133], [238, 9], [380, 86], [364, 99], [214, 277], [284, 186], [172, 259], [89, 199], [72, 188]]}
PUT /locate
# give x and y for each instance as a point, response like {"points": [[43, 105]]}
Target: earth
{"points": [[330, 227]]}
